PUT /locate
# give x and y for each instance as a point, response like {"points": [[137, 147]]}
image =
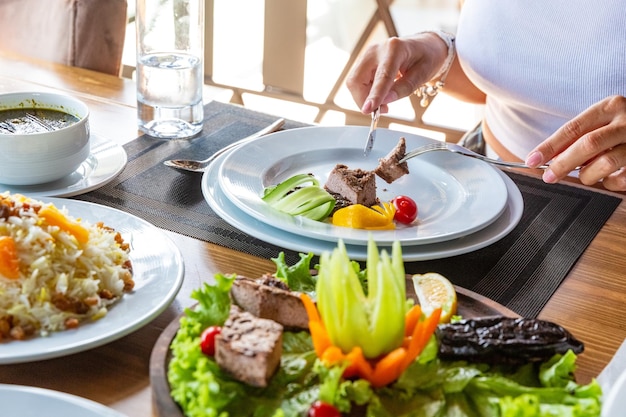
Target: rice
{"points": [[56, 271]]}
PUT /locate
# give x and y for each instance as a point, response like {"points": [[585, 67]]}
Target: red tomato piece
{"points": [[322, 409], [207, 340], [406, 209]]}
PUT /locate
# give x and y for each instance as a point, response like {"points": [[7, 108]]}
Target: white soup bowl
{"points": [[37, 158]]}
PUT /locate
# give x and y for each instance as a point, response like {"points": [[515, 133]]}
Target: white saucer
{"points": [[106, 160]]}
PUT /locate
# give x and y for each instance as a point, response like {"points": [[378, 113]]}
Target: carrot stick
{"points": [[414, 343], [411, 318], [319, 336], [309, 306], [358, 364], [389, 368], [421, 334], [432, 322], [332, 355]]}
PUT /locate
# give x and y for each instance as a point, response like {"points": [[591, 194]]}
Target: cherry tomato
{"points": [[406, 209], [322, 409], [207, 340]]}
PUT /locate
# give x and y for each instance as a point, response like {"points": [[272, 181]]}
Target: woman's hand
{"points": [[594, 140], [394, 69]]}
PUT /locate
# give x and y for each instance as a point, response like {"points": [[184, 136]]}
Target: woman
{"points": [[552, 76]]}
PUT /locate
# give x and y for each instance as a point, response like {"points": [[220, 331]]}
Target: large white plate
{"points": [[456, 195], [157, 272], [106, 160], [23, 401], [614, 403], [222, 205]]}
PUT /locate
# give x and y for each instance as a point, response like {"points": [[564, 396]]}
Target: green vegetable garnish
{"points": [[375, 321], [300, 195]]}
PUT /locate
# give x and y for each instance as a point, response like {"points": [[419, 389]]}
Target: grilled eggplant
{"points": [[504, 340]]}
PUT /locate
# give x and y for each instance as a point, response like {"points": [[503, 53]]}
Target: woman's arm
{"points": [[460, 87], [394, 69]]}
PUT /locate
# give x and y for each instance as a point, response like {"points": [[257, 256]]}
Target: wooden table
{"points": [[590, 302]]}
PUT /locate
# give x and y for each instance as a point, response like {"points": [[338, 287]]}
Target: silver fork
{"points": [[452, 147]]}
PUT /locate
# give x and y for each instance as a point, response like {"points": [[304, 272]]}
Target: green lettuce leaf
{"points": [[298, 277]]}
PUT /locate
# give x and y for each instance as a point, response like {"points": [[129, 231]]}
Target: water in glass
{"points": [[169, 96], [170, 69]]}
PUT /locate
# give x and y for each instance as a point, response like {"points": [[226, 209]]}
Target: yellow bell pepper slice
{"points": [[358, 216]]}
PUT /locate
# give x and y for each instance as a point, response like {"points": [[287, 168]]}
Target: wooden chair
{"points": [[82, 33]]}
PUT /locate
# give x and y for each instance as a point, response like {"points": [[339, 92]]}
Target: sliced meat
{"points": [[389, 168], [270, 298], [355, 185], [249, 348]]}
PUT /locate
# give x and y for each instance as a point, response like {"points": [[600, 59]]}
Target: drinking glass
{"points": [[170, 70]]}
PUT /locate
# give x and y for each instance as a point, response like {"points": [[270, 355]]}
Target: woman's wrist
{"points": [[430, 89]]}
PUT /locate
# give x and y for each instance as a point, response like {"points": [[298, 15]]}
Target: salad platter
{"points": [[375, 341], [470, 304], [361, 347]]}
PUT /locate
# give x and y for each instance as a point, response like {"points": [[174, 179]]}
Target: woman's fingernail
{"points": [[534, 159], [367, 107], [549, 177]]}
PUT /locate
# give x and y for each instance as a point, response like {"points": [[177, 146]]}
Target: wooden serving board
{"points": [[470, 305]]}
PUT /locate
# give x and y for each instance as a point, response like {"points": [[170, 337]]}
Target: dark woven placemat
{"points": [[521, 271], [525, 268]]}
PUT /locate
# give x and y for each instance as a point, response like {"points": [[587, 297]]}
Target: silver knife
{"points": [[372, 133]]}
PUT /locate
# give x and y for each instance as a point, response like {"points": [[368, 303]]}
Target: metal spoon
{"points": [[199, 166]]}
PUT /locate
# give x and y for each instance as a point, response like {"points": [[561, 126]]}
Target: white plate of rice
{"points": [[157, 274], [23, 401]]}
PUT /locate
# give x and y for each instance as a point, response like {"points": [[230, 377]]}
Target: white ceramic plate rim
{"points": [[157, 272], [456, 195], [224, 208], [105, 161], [614, 402], [27, 401]]}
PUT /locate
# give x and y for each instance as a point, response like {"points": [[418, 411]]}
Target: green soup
{"points": [[34, 120]]}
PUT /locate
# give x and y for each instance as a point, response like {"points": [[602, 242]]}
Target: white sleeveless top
{"points": [[541, 62]]}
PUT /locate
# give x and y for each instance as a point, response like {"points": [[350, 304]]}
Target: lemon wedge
{"points": [[433, 290]]}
